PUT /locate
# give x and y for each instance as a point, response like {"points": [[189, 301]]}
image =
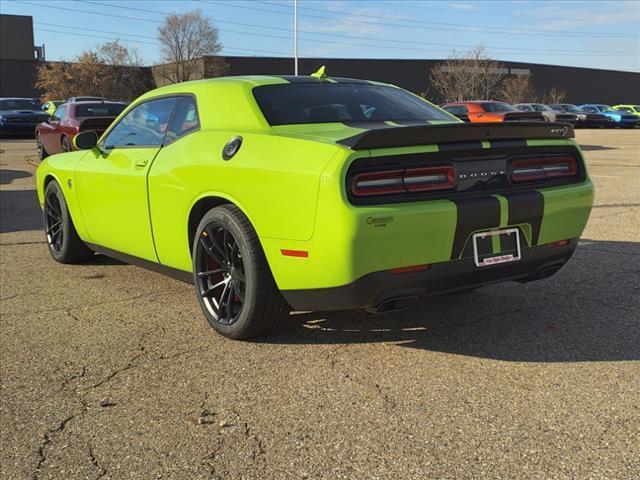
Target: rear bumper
{"points": [[375, 288]]}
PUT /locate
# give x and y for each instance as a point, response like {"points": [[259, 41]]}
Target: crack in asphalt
{"points": [[130, 364], [22, 243], [73, 315], [42, 457], [97, 304], [66, 381], [94, 461]]}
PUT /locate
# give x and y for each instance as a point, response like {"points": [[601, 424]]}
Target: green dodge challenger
{"points": [[272, 193]]}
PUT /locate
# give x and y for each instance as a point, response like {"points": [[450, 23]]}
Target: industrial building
{"points": [[19, 58]]}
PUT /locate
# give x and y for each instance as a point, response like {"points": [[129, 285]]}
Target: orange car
{"points": [[489, 111]]}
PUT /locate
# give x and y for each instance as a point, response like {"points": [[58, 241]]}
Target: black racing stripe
{"points": [[411, 123], [475, 213], [516, 143], [310, 79], [526, 207], [350, 80], [448, 147], [299, 79], [509, 244], [375, 125]]}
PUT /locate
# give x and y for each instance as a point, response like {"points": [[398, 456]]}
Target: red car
{"points": [[56, 134], [490, 111]]}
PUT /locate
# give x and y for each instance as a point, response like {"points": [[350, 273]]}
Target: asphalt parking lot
{"points": [[111, 371]]}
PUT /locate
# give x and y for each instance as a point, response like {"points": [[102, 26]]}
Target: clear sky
{"points": [[595, 34]]}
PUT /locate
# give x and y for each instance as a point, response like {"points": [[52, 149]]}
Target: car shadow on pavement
{"points": [[19, 211], [8, 176], [586, 312], [591, 148]]}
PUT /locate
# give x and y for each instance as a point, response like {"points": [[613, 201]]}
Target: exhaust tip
{"points": [[394, 304]]}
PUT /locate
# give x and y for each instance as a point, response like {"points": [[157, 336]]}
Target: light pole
{"points": [[295, 37]]}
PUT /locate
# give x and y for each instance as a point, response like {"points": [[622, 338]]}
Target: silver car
{"points": [[549, 113]]}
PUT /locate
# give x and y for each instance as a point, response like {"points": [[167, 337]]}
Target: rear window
{"points": [[498, 107], [100, 110], [303, 103], [456, 109], [568, 108], [539, 107]]}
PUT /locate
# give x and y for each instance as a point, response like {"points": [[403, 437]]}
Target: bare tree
{"points": [[184, 40], [467, 76], [115, 53], [111, 71], [554, 95], [518, 89]]}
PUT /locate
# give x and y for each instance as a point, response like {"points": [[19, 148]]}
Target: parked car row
{"points": [[587, 115], [56, 122]]}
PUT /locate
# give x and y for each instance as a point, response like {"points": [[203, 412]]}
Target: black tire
{"points": [[66, 145], [62, 239], [234, 285], [42, 153]]}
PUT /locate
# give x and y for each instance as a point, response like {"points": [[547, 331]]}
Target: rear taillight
{"points": [[532, 169], [404, 181]]}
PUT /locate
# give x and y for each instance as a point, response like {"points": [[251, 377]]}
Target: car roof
{"points": [[464, 102], [255, 81], [242, 111], [93, 102], [17, 98]]}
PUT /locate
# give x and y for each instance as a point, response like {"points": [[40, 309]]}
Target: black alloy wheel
{"points": [[53, 222], [221, 273], [234, 284], [62, 239]]}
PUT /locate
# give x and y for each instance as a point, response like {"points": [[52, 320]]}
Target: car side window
{"points": [[143, 126], [59, 113], [185, 119]]}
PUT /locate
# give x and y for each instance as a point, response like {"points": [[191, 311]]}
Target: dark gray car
{"points": [[550, 114], [585, 119], [19, 116]]}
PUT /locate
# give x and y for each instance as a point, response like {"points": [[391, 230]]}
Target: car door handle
{"points": [[141, 163]]}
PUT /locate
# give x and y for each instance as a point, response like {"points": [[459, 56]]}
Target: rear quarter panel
{"points": [[274, 180]]}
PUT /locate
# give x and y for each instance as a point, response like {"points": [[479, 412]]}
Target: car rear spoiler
{"points": [[456, 133]]}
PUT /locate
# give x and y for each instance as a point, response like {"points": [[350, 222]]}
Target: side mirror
{"points": [[85, 140]]}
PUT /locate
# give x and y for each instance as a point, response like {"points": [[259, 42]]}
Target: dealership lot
{"points": [[111, 371]]}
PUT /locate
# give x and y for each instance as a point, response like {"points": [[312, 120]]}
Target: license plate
{"points": [[496, 246]]}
